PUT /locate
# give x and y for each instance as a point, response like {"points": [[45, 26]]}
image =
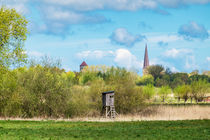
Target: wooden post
{"points": [[106, 111]]}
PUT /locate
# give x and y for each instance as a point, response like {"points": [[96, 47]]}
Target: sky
{"points": [[115, 32]]}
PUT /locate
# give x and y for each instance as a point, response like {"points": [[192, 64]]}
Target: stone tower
{"points": [[146, 60]]}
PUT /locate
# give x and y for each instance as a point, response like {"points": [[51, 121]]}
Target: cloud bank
{"points": [[193, 30], [59, 15], [130, 5], [122, 37]]}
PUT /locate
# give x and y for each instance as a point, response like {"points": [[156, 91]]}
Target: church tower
{"points": [[146, 60]]}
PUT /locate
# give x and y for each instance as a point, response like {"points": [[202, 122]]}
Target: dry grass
{"points": [[189, 112], [171, 113]]}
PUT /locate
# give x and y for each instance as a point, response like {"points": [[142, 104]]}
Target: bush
{"points": [[183, 91], [148, 91], [77, 102], [199, 89], [164, 91], [145, 80]]}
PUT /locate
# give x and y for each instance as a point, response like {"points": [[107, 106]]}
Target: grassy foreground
{"points": [[195, 129]]}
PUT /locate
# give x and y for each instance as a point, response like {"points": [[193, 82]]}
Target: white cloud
{"points": [[123, 37], [174, 53], [58, 20], [125, 58]]}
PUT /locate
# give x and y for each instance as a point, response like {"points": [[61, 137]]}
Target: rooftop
{"points": [[83, 63]]}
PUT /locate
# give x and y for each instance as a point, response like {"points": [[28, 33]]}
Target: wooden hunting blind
{"points": [[108, 104], [108, 98]]}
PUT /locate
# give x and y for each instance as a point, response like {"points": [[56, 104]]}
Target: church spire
{"points": [[146, 58]]}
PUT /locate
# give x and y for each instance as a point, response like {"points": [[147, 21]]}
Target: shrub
{"points": [[145, 80], [163, 92], [148, 91], [183, 91]]}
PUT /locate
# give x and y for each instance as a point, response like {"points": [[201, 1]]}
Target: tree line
{"points": [[45, 90], [184, 85]]}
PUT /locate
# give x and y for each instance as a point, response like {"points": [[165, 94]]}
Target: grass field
{"points": [[195, 129]]}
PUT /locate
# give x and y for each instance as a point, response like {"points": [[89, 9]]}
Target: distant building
{"points": [[146, 60], [84, 64]]}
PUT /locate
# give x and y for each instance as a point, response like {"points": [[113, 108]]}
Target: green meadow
{"points": [[177, 130]]}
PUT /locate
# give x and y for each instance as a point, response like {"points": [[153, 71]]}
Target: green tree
{"points": [[10, 99], [198, 77], [183, 91], [69, 77], [199, 89], [148, 91], [156, 71], [13, 31], [163, 92], [145, 80], [163, 81]]}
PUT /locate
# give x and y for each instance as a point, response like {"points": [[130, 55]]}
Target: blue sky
{"points": [[114, 32]]}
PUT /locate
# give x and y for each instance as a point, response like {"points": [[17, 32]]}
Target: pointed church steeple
{"points": [[146, 58]]}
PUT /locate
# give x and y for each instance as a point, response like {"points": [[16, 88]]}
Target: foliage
{"points": [[48, 91], [46, 88], [178, 79], [91, 73], [183, 91], [148, 91], [164, 91], [12, 36], [128, 97], [206, 73], [78, 103], [164, 130], [195, 72], [163, 81], [10, 101], [197, 77], [145, 80], [199, 89], [156, 71]]}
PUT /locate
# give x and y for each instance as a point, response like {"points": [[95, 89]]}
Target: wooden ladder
{"points": [[112, 111]]}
